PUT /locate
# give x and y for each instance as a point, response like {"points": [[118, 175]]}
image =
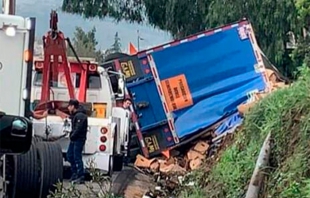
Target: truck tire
{"points": [[111, 164], [118, 162], [51, 167], [27, 174], [11, 175], [118, 159]]}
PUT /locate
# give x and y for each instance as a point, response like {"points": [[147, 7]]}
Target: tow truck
{"points": [[57, 79]]}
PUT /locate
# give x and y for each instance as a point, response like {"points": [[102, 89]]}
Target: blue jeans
{"points": [[74, 157]]}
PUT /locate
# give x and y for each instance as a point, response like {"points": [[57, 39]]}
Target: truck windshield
{"points": [[93, 81]]}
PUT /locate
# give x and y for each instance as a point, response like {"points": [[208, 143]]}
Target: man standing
{"points": [[77, 140], [126, 105]]}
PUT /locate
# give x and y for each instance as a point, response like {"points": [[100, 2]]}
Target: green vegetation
{"points": [[286, 114], [116, 46], [84, 43]]}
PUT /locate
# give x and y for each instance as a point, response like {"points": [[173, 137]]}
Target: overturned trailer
{"points": [[186, 87]]}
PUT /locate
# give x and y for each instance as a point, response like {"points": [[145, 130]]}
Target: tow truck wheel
{"points": [[111, 164], [118, 161], [51, 167], [27, 174], [10, 176]]}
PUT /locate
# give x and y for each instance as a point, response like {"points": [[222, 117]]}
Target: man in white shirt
{"points": [[126, 105]]}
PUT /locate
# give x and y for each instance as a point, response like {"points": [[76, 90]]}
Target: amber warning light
{"points": [[27, 55]]}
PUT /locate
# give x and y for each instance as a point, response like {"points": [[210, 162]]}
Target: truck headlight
{"points": [[10, 31]]}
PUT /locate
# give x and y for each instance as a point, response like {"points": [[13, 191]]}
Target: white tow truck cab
{"points": [[108, 124]]}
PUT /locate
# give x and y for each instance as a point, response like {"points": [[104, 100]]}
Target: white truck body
{"points": [[18, 89], [13, 70], [16, 34], [100, 91]]}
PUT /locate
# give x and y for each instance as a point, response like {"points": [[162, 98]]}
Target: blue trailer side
{"points": [[189, 85]]}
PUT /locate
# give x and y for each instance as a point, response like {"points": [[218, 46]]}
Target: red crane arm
{"points": [[55, 56]]}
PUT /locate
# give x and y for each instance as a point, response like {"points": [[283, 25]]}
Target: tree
{"points": [[116, 46], [301, 54], [84, 43], [272, 19], [179, 17]]}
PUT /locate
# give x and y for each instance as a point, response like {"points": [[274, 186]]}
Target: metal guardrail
{"points": [[258, 176]]}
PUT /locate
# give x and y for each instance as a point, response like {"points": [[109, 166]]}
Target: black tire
{"points": [[11, 175], [27, 174], [51, 167], [118, 162], [118, 159], [111, 164], [115, 56], [37, 139]]}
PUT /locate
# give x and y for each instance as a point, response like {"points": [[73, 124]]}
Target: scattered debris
{"points": [[274, 85], [169, 174]]}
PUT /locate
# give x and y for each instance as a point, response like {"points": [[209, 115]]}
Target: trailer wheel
{"points": [[27, 174], [51, 167]]}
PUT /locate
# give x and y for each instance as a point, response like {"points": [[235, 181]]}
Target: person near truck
{"points": [[127, 102], [77, 140]]}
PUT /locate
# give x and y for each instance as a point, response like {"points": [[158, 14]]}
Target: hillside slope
{"points": [[286, 114]]}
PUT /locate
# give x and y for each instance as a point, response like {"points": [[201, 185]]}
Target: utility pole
{"points": [[9, 7], [139, 39]]}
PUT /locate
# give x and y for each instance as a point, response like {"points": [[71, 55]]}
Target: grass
{"points": [[286, 114]]}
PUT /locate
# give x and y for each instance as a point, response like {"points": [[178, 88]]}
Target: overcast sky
{"points": [[106, 29]]}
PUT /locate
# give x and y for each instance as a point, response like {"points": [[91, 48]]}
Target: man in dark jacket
{"points": [[77, 140]]}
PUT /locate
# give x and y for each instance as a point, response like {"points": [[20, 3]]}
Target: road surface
{"points": [[128, 183]]}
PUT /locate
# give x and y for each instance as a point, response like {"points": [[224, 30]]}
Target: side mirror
{"points": [[121, 87], [15, 134]]}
